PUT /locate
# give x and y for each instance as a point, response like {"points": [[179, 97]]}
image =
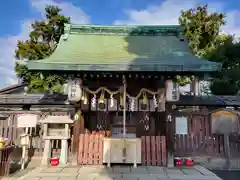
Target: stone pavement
{"points": [[118, 173]]}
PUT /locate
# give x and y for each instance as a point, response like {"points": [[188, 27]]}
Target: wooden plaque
{"points": [[224, 122]]}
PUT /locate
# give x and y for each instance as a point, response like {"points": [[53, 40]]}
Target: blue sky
{"points": [[18, 14]]}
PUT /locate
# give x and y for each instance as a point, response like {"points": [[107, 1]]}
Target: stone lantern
{"points": [[56, 128]]}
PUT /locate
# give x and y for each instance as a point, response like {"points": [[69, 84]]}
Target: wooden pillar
{"points": [[78, 128], [194, 87], [169, 136]]}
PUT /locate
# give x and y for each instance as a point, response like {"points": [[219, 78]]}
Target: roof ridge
{"points": [[119, 26], [145, 30]]}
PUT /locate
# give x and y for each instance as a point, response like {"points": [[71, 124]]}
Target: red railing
{"points": [[154, 150], [5, 160]]}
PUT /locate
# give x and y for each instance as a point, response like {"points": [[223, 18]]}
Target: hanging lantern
{"points": [[101, 101], [74, 90], [172, 91], [144, 103]]}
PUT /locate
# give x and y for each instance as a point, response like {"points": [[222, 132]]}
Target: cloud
{"points": [[9, 43], [169, 10], [7, 60], [166, 13], [78, 16]]}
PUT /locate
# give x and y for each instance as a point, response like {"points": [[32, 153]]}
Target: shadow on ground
{"points": [[228, 175]]}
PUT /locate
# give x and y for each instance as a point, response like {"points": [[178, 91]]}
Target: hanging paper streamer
{"points": [[144, 93], [146, 122], [155, 101], [111, 101], [132, 104], [93, 101]]}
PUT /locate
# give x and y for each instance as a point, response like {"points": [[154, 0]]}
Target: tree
{"points": [[42, 41], [227, 82], [202, 29]]}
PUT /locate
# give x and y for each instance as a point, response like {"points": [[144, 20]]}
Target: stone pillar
{"points": [[46, 152], [64, 152]]}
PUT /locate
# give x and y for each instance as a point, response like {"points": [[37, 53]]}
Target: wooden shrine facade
{"points": [[121, 87], [101, 111]]}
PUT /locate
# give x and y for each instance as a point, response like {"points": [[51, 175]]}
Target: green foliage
{"points": [[227, 82], [202, 29], [183, 80], [42, 41]]}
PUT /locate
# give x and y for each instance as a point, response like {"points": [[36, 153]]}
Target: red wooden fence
{"points": [[154, 150], [90, 149], [188, 145]]}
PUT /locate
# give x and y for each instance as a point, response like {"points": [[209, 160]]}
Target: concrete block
{"points": [[141, 170], [204, 171], [174, 171], [155, 170], [52, 170], [71, 170], [191, 171], [121, 169], [91, 176], [50, 178]]}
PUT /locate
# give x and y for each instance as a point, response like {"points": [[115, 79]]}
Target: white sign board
{"points": [[181, 125], [27, 120]]}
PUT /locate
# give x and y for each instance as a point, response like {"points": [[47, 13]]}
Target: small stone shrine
{"points": [[56, 128]]}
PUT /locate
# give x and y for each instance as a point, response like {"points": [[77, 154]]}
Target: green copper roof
{"points": [[122, 48]]}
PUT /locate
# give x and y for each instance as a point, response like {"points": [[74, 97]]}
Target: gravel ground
{"points": [[228, 175]]}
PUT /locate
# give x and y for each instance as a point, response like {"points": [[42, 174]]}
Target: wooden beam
{"points": [[170, 122]]}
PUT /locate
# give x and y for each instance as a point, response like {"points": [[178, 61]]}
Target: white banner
{"points": [[181, 125], [27, 120]]}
